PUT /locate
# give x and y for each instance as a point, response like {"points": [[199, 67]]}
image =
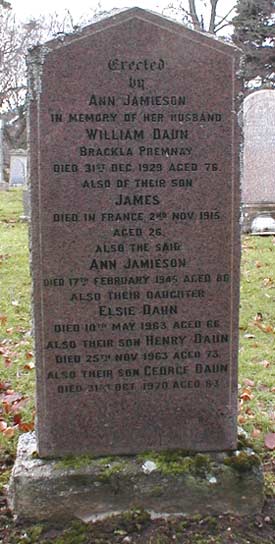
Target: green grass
{"points": [[257, 337], [257, 327], [11, 206], [14, 262], [16, 343]]}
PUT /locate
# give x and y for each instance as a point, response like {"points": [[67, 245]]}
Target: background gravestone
{"points": [[135, 238], [258, 180], [18, 167]]}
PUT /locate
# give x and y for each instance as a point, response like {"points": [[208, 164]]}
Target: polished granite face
{"points": [[259, 148], [135, 238]]}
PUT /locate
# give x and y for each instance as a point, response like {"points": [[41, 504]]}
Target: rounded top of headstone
{"points": [[259, 96], [115, 17], [260, 102]]}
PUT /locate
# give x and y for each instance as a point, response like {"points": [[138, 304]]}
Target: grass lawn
{"points": [[17, 374], [256, 389]]}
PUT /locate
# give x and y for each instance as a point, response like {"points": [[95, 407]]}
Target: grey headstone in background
{"points": [[18, 167], [258, 180]]}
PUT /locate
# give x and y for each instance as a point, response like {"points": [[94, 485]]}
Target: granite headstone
{"points": [[135, 238], [258, 187]]}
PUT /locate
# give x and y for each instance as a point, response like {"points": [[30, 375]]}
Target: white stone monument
{"points": [[258, 180], [18, 167]]}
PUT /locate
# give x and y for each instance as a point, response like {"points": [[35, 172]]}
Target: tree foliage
{"points": [[191, 12], [254, 33], [5, 4], [15, 40]]}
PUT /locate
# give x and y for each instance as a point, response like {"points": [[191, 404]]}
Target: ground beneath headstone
{"points": [[135, 527]]}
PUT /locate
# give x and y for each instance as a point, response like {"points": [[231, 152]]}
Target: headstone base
{"points": [[163, 484], [253, 210]]}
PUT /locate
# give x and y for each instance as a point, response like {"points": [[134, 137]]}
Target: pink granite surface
{"points": [[135, 238]]}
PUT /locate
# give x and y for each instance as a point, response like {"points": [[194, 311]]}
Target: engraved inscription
{"points": [[134, 242]]}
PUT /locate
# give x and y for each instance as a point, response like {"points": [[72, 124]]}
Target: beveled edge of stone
{"points": [[37, 55], [123, 15], [91, 489]]}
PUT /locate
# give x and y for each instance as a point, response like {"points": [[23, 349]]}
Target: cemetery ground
{"points": [[256, 402]]}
